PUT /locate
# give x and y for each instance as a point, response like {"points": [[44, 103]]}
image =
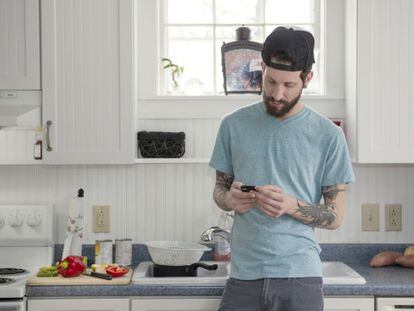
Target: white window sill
{"points": [[215, 107], [230, 97]]}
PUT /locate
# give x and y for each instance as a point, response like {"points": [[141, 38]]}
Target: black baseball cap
{"points": [[297, 44]]}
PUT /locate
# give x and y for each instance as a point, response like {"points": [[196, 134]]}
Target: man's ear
{"points": [[308, 78], [263, 66]]}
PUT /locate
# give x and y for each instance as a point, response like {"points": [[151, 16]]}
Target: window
{"points": [[191, 33]]}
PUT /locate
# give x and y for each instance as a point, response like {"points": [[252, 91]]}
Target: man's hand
{"points": [[274, 202], [239, 201]]}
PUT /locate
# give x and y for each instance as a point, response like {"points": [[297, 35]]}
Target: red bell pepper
{"points": [[72, 266], [116, 271]]}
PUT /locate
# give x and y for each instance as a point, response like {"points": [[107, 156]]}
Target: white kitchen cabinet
{"points": [[19, 45], [88, 81], [87, 304], [211, 304], [380, 45], [395, 304], [349, 304], [175, 304]]}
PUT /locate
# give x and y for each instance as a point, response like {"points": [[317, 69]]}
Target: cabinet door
{"points": [[395, 304], [175, 304], [385, 81], [88, 81], [19, 45], [78, 304], [349, 304]]}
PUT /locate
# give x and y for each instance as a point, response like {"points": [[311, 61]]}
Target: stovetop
{"points": [[13, 282], [13, 271], [26, 244], [6, 281]]}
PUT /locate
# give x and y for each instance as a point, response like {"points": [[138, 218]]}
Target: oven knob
{"points": [[2, 222], [33, 220], [15, 220]]}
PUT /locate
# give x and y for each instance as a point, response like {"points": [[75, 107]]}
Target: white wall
{"points": [[174, 201]]}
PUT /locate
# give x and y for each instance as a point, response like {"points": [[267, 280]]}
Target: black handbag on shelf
{"points": [[161, 144]]}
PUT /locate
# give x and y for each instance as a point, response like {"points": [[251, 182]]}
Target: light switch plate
{"points": [[393, 217], [370, 217], [101, 218]]}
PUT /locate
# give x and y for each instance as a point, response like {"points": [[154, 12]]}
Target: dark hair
{"points": [[283, 58]]}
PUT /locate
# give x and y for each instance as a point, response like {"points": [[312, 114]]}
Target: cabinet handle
{"points": [[10, 306], [48, 124]]}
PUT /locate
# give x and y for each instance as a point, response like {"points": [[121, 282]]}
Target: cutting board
{"points": [[79, 280]]}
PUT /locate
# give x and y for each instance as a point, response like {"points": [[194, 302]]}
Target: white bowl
{"points": [[175, 253]]}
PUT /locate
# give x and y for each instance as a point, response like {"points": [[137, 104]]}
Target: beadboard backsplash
{"points": [[174, 201]]}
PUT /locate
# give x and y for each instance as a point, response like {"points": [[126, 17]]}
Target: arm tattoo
{"points": [[224, 179], [223, 185], [320, 215]]}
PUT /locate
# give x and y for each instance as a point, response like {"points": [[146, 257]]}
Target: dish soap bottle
{"points": [[221, 246]]}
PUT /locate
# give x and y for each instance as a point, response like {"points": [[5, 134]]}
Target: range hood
{"points": [[20, 108]]}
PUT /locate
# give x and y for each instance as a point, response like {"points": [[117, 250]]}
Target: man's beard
{"points": [[286, 105]]}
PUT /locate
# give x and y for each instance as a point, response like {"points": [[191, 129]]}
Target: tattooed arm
{"points": [[229, 197], [274, 202], [329, 214], [223, 185]]}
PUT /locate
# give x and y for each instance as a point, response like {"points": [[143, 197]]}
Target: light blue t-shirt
{"points": [[300, 154]]}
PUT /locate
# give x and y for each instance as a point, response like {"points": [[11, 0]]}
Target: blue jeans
{"points": [[273, 294]]}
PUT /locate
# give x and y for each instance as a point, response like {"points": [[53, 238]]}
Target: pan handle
{"points": [[203, 265]]}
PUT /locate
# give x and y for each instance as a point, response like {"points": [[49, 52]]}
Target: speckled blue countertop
{"points": [[386, 281]]}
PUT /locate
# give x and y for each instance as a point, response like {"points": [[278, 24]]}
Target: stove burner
{"points": [[5, 281], [11, 271]]}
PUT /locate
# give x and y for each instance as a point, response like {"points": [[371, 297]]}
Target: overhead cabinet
{"points": [[19, 45], [380, 93], [88, 81]]}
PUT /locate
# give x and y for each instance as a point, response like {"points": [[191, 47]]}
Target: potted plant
{"points": [[176, 71]]}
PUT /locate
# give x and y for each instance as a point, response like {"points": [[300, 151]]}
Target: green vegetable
{"points": [[176, 70], [48, 271]]}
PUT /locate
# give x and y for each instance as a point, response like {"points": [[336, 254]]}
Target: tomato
{"points": [[116, 271]]}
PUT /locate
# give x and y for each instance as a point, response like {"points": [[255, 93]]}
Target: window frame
{"points": [[163, 44], [150, 105]]}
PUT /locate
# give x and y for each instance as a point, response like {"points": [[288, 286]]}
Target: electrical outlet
{"points": [[393, 217], [101, 218], [370, 217]]}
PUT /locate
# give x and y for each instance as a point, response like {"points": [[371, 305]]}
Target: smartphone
{"points": [[246, 188]]}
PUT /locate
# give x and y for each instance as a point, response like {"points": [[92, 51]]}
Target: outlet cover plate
{"points": [[101, 218], [393, 217], [370, 217]]}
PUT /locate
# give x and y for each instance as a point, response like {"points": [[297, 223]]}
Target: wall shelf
{"points": [[171, 160]]}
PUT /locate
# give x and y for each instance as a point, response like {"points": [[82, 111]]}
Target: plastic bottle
{"points": [[74, 233], [222, 250]]}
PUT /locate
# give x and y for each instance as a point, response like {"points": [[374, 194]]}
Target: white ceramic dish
{"points": [[175, 253]]}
